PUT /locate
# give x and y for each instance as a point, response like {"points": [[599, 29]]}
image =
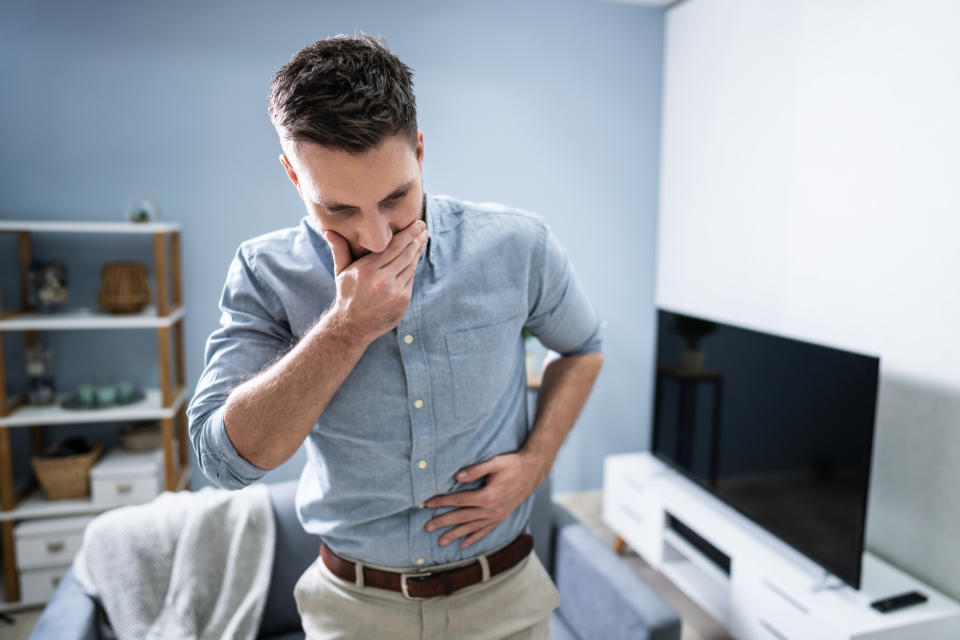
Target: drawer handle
{"points": [[793, 603], [633, 515], [126, 487], [55, 547], [772, 630]]}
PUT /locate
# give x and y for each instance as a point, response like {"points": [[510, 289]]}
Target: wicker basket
{"points": [[141, 437], [66, 477], [124, 287]]}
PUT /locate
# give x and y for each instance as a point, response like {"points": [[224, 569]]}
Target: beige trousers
{"points": [[515, 604]]}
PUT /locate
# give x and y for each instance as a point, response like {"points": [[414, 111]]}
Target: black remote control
{"points": [[886, 605]]}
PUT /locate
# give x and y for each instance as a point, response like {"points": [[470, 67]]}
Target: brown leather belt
{"points": [[429, 584]]}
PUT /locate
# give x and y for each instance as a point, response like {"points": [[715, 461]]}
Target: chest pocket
{"points": [[481, 362]]}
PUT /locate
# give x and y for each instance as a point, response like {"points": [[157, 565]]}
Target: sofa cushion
{"points": [[295, 550], [559, 629], [602, 597]]}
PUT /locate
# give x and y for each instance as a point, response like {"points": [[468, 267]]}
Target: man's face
{"points": [[364, 197]]}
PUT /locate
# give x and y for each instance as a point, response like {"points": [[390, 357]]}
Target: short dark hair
{"points": [[344, 92]]}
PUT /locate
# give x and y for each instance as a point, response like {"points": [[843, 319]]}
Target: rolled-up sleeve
{"points": [[560, 314], [253, 332]]}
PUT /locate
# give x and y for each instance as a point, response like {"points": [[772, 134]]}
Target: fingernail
{"points": [[430, 527], [462, 475], [443, 542]]}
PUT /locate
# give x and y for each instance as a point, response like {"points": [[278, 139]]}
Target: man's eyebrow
{"points": [[399, 191]]}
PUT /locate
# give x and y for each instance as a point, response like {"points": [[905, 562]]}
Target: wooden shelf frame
{"points": [[166, 318]]}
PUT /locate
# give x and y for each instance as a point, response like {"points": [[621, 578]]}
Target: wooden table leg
{"points": [[619, 545]]}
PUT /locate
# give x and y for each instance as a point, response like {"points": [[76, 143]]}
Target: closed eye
{"points": [[395, 198]]}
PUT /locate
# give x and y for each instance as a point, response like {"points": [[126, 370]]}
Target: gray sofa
{"points": [[600, 596]]}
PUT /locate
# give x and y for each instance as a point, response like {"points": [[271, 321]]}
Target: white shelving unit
{"points": [[86, 319], [771, 591], [67, 226], [150, 408], [166, 403]]}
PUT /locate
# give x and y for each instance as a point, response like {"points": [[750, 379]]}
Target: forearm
{"points": [[566, 385], [268, 417]]}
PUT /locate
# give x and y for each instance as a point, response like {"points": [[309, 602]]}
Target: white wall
{"points": [[809, 186]]}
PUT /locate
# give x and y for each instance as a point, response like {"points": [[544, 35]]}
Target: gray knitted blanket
{"points": [[186, 565]]}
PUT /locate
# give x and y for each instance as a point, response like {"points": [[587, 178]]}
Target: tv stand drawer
{"points": [[768, 610]]}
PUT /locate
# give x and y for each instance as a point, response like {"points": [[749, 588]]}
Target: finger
{"points": [[342, 257], [406, 257], [477, 535], [465, 514], [399, 242], [458, 499], [475, 471], [462, 530], [406, 276]]}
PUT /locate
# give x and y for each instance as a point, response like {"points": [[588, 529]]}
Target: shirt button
{"points": [[420, 560], [408, 338], [418, 404], [422, 464], [420, 506]]}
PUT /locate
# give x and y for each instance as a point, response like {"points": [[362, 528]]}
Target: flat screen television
{"points": [[779, 429]]}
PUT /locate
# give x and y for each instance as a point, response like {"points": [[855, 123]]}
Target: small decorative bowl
{"points": [[106, 395]]}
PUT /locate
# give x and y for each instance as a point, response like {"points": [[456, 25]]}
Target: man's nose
{"points": [[375, 233]]}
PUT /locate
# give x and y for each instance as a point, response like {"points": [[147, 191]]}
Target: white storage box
{"points": [[37, 585], [126, 477], [51, 542]]}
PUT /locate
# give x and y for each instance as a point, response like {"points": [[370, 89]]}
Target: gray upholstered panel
{"points": [[294, 551], [74, 617], [602, 597]]}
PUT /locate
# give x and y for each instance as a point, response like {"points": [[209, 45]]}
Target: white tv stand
{"points": [[771, 592]]}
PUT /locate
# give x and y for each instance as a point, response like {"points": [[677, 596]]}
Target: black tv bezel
{"points": [[862, 523]]}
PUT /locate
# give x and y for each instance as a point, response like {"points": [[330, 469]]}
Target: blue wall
{"points": [[553, 107]]}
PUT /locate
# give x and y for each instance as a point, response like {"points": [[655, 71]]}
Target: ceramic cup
{"points": [[125, 390], [106, 394], [85, 394]]}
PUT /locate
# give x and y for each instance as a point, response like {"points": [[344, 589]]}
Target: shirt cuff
{"points": [[232, 471]]}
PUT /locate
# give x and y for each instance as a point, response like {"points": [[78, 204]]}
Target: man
{"points": [[384, 334]]}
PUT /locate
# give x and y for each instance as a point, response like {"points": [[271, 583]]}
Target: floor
{"points": [[586, 506], [697, 624], [23, 623]]}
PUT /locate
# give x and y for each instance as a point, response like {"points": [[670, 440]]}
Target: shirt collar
{"points": [[433, 214]]}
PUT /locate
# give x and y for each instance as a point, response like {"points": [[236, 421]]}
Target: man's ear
{"points": [[419, 149], [290, 172]]}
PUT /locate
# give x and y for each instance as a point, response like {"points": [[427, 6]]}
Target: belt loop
{"points": [[484, 567], [358, 568]]}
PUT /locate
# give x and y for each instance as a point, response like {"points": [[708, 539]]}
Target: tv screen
{"points": [[780, 429]]}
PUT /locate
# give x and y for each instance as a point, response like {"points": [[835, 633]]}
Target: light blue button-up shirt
{"points": [[445, 389]]}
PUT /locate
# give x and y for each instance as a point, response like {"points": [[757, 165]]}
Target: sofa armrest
{"points": [[602, 597], [70, 614]]}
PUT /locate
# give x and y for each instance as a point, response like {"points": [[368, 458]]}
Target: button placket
{"points": [[423, 483]]}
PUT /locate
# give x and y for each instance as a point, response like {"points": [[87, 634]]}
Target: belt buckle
{"points": [[403, 583]]}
